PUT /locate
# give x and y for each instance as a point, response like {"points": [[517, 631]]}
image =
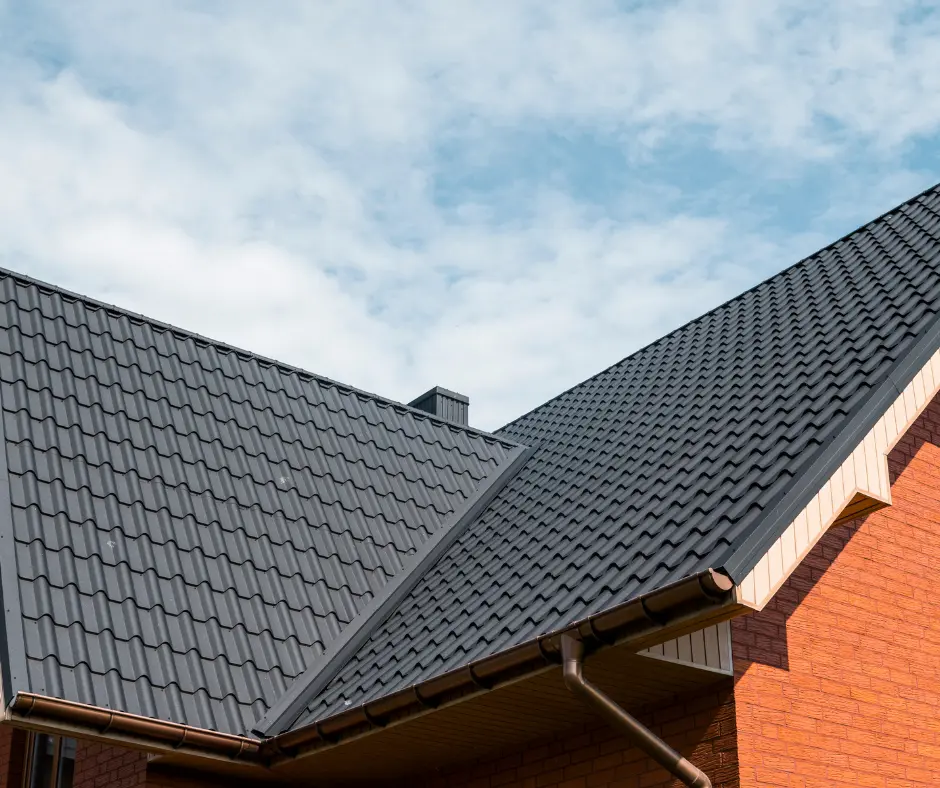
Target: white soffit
{"points": [[708, 649]]}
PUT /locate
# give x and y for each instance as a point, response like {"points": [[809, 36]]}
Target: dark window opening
{"points": [[51, 762]]}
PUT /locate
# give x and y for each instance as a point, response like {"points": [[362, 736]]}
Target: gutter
{"points": [[708, 595], [692, 602], [639, 734], [159, 734]]}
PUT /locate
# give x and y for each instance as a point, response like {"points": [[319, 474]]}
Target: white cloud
{"points": [[271, 174]]}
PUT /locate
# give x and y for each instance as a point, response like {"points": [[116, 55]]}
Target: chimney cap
{"points": [[444, 404]]}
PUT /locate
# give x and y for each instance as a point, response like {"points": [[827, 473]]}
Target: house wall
{"points": [[701, 726], [12, 756], [100, 765], [837, 680]]}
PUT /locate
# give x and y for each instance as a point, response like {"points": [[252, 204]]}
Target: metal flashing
{"points": [[13, 665]]}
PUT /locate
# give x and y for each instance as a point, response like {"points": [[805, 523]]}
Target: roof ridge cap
{"points": [[225, 346], [847, 236], [309, 684]]}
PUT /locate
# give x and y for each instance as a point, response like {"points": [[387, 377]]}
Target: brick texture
{"points": [[12, 756], [103, 766], [837, 680], [702, 727]]}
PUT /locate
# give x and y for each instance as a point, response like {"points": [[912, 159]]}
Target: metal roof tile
{"points": [[664, 464], [152, 531]]}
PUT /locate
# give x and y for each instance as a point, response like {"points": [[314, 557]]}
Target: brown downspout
{"points": [[573, 659]]}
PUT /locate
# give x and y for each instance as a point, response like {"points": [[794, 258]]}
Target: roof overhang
{"points": [[487, 724], [666, 613], [220, 752]]}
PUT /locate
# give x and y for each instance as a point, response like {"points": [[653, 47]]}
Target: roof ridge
{"points": [[314, 679], [225, 346], [656, 342]]}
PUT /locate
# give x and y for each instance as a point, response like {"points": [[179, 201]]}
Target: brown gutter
{"points": [[156, 733], [637, 622], [639, 734]]}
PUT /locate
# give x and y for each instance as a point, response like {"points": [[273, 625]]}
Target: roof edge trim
{"points": [[13, 665], [310, 683], [742, 558], [291, 368]]}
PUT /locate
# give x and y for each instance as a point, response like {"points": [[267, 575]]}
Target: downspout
{"points": [[573, 660]]}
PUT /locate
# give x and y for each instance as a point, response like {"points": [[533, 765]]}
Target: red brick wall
{"points": [[104, 766], [837, 681], [12, 756], [701, 727]]}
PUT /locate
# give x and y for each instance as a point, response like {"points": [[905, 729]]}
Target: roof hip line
{"points": [[310, 683]]}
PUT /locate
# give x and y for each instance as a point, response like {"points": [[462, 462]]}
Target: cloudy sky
{"points": [[499, 197]]}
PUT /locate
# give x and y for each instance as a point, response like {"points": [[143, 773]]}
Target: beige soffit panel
{"points": [[860, 485], [708, 649]]}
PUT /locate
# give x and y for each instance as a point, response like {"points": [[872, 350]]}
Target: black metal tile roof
{"points": [[192, 525], [694, 452]]}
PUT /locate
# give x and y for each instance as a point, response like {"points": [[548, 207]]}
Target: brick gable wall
{"points": [[837, 681], [701, 727]]}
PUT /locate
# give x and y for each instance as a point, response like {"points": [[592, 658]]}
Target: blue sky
{"points": [[498, 197]]}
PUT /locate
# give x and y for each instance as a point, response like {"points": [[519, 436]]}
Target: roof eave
{"points": [[685, 605], [31, 710]]}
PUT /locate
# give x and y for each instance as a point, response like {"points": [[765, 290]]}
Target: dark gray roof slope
{"points": [[694, 452], [191, 525]]}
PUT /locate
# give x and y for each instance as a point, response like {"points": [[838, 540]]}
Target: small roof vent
{"points": [[444, 404]]}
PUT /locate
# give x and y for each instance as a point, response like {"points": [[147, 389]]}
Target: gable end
{"points": [[859, 486]]}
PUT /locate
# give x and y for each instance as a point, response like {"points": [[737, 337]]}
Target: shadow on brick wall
{"points": [[762, 638]]}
